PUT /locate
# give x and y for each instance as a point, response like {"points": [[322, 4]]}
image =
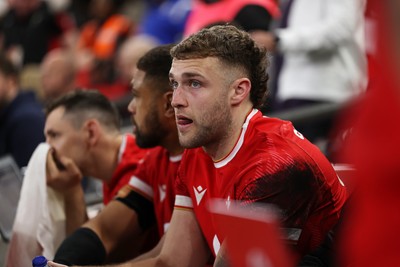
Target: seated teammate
{"points": [[149, 197]]}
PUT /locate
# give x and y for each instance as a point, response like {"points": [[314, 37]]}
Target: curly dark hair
{"points": [[233, 47]]}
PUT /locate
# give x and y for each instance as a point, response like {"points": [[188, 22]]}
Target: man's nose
{"points": [[132, 107], [178, 99]]}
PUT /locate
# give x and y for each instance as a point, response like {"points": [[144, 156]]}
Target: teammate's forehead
{"points": [[60, 119], [137, 79], [56, 113], [55, 118]]}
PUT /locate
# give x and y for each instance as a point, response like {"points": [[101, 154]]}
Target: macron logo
{"points": [[199, 193], [162, 189]]}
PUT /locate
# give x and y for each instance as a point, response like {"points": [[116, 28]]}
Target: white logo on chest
{"points": [[299, 135], [199, 193]]}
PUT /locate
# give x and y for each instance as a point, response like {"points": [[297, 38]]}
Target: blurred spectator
{"points": [[21, 116], [322, 44], [30, 29], [97, 46], [106, 30], [30, 80], [79, 10], [129, 53], [165, 19], [127, 57], [102, 34], [58, 5], [3, 7], [57, 73], [251, 15]]}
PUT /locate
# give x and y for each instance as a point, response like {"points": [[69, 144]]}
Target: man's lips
{"points": [[182, 120]]}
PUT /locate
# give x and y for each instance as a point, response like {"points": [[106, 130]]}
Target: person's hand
{"points": [[265, 39], [61, 172], [53, 264]]}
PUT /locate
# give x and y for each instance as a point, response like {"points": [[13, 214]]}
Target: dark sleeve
{"points": [[142, 206], [27, 134], [83, 247], [254, 17]]}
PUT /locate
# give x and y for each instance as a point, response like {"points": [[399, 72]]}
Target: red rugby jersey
{"points": [[128, 159], [155, 180], [270, 163]]}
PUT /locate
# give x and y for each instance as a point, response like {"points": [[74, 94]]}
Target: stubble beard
{"points": [[210, 127], [155, 132]]}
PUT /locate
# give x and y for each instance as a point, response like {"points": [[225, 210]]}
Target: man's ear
{"points": [[241, 90], [168, 109], [92, 130]]}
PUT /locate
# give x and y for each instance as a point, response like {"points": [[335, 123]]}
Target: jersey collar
{"points": [[239, 142]]}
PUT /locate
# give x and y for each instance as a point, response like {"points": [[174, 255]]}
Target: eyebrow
{"points": [[49, 131], [187, 75]]}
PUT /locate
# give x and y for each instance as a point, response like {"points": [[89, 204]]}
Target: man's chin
{"points": [[134, 130], [142, 143], [187, 142]]}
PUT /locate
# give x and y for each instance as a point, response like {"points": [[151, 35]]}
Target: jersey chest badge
{"points": [[199, 193]]}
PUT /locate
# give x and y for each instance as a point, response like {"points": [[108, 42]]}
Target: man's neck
{"points": [[171, 143], [107, 159], [223, 148]]}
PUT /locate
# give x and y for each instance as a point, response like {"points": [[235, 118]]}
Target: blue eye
{"points": [[173, 84], [195, 84]]}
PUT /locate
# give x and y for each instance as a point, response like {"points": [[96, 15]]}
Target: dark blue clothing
{"points": [[21, 127]]}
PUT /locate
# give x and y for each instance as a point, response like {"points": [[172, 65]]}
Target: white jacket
{"points": [[323, 48]]}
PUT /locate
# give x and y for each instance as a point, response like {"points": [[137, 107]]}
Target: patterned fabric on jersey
{"points": [[155, 180], [128, 159], [270, 163]]}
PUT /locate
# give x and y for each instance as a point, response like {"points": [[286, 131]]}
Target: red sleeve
{"points": [[182, 198]]}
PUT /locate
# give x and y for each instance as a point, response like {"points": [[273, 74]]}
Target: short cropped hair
{"points": [[156, 63], [233, 47], [82, 105]]}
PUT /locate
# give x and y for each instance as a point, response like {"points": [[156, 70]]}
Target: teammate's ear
{"points": [[92, 131], [240, 90], [168, 109]]}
